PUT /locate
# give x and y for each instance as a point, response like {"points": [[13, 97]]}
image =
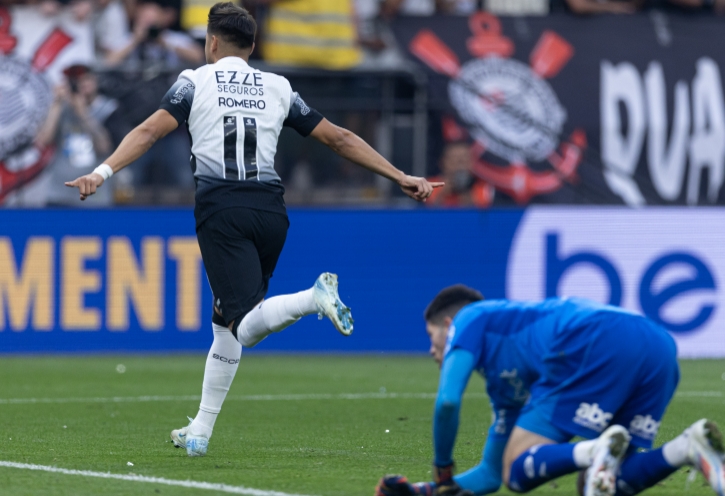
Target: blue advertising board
{"points": [[133, 280]]}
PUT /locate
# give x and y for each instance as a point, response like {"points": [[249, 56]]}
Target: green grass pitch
{"points": [[311, 446]]}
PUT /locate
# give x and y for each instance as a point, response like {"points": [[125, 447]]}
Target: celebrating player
{"points": [[554, 370], [235, 114]]}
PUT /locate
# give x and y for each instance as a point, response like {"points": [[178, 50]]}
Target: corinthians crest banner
{"points": [[34, 50], [583, 110]]}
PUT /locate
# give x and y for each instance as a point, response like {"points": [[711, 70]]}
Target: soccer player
{"points": [[234, 114], [555, 370]]}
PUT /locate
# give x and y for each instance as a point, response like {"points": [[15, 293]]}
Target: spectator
{"points": [[111, 30], [391, 8], [76, 126], [153, 42], [521, 7], [717, 5], [312, 33], [165, 167], [82, 10], [367, 13], [462, 189], [585, 7], [47, 8], [375, 37], [462, 7]]}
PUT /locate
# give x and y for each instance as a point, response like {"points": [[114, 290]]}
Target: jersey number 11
{"points": [[249, 169]]}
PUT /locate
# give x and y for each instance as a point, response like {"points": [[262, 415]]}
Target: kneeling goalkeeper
{"points": [[555, 370]]}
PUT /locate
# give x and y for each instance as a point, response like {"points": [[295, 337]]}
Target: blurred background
{"points": [[582, 143]]}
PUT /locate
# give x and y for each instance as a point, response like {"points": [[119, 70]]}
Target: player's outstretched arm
{"points": [[350, 146], [135, 144]]}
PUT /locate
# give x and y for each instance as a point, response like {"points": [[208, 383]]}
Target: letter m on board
{"points": [[27, 284]]}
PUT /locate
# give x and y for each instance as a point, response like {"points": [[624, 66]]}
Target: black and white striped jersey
{"points": [[235, 114]]}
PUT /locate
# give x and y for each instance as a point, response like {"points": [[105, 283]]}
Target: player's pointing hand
{"points": [[87, 185], [418, 188]]}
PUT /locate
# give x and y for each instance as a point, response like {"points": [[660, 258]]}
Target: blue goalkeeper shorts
{"points": [[623, 371]]}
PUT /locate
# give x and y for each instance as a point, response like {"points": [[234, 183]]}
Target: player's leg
{"points": [[221, 367], [657, 373], [700, 445], [576, 396], [235, 275], [528, 443], [533, 460], [274, 314], [279, 312], [479, 479]]}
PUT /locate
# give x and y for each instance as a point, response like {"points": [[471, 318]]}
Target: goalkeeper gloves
{"points": [[398, 485], [394, 485]]}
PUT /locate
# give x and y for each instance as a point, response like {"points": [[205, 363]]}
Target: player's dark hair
{"points": [[449, 301], [233, 24]]}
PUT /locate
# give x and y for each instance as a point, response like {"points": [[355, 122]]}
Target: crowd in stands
{"points": [[148, 38]]}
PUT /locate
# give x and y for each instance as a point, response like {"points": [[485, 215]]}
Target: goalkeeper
{"points": [[555, 370]]}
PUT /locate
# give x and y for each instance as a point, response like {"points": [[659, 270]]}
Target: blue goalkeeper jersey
{"points": [[514, 342]]}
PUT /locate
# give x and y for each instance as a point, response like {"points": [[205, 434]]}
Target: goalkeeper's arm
{"points": [[456, 369], [485, 478]]}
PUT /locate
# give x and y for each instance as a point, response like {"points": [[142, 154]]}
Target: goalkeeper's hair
{"points": [[449, 301], [233, 24]]}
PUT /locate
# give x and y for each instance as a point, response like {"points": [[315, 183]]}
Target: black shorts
{"points": [[240, 248]]}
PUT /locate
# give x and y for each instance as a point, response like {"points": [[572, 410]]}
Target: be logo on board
{"points": [[509, 107], [665, 264]]}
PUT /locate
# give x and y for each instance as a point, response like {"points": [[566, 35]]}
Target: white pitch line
{"points": [[115, 399], [210, 486], [279, 397], [258, 397]]}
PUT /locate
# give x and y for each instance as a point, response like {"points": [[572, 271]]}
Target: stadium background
{"points": [[589, 161], [583, 125]]}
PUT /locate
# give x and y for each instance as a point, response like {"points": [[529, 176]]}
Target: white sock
{"points": [[677, 452], [221, 367], [583, 453], [274, 315]]}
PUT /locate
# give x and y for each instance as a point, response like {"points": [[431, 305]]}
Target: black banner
{"points": [[609, 109]]}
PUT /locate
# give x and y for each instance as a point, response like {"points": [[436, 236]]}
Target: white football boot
{"points": [[609, 450], [329, 304], [707, 453], [195, 445]]}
